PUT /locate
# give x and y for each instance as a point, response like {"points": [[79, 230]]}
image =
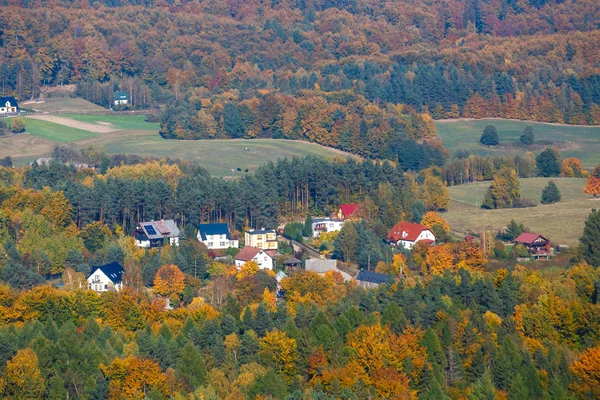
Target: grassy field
{"points": [[63, 105], [124, 122], [582, 142], [55, 132], [562, 222]]}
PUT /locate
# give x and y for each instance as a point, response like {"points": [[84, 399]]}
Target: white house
{"points": [[320, 225], [106, 277], [121, 98], [249, 253], [216, 236], [155, 233], [321, 266], [406, 234], [8, 106], [265, 239]]}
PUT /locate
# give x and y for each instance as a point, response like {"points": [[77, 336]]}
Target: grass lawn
{"points": [[129, 122], [219, 157], [583, 142], [55, 132], [64, 105], [562, 222]]}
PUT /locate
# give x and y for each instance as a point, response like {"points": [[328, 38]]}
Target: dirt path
{"points": [[74, 124]]}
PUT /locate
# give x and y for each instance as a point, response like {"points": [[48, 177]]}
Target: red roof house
{"points": [[532, 241], [249, 253], [407, 234], [348, 211]]}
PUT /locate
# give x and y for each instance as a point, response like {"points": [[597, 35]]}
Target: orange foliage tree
{"points": [[133, 378], [169, 280], [432, 219], [593, 183], [438, 259], [277, 349], [587, 373]]}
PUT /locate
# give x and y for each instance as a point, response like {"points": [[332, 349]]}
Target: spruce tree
{"points": [[518, 389], [551, 194], [527, 137], [190, 365], [262, 322], [590, 241], [307, 229], [490, 136], [483, 388], [548, 163]]}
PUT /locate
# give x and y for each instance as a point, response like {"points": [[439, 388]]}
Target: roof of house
{"points": [[272, 253], [213, 229], [114, 271], [292, 261], [528, 238], [406, 231], [10, 99], [247, 253], [373, 277], [349, 209], [321, 220], [160, 229], [121, 95], [260, 231], [280, 275]]}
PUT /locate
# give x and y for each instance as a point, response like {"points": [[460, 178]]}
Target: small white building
{"points": [[106, 277], [320, 225], [155, 233], [216, 236], [249, 253], [265, 239], [8, 106], [121, 98], [321, 266], [407, 234]]}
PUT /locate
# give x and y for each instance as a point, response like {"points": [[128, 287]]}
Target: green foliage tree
{"points": [[232, 121], [483, 388], [551, 193], [489, 137], [548, 162], [527, 137], [590, 241]]}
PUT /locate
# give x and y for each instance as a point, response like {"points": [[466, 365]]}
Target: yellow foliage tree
{"points": [[133, 378], [169, 280], [435, 193], [431, 219], [280, 351], [249, 268], [23, 377]]}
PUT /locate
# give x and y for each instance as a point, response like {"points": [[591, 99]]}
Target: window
{"points": [[96, 277], [105, 287], [259, 237], [222, 244], [210, 244]]}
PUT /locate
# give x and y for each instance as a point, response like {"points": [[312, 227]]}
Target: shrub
{"points": [[17, 125]]}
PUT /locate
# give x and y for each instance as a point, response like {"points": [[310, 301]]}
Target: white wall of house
{"points": [[142, 243], [99, 282], [263, 259], [425, 235], [119, 102], [218, 242], [331, 225]]}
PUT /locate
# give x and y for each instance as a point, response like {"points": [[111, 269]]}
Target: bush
{"points": [[17, 125], [490, 136], [524, 203]]}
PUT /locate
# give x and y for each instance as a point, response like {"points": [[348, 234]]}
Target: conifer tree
{"points": [[527, 137], [307, 229], [551, 193], [490, 136], [590, 241]]}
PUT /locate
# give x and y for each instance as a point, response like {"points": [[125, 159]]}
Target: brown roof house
{"points": [[533, 242], [264, 258]]}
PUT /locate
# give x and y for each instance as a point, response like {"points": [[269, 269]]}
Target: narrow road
{"points": [[297, 246]]}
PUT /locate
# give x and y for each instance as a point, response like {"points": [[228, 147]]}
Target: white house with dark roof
{"points": [[8, 106], [216, 236], [106, 277], [121, 98], [155, 233]]}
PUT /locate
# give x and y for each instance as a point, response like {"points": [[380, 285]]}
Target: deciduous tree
{"points": [[169, 280]]}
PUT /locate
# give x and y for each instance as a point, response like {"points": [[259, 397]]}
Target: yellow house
{"points": [[265, 239]]}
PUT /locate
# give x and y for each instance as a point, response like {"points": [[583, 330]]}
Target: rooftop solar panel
{"points": [[150, 229]]}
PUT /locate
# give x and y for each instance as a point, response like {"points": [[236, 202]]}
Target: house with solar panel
{"points": [[106, 278], [370, 279], [156, 234], [217, 236]]}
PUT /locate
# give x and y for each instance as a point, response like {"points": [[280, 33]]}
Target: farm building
{"points": [[370, 279]]}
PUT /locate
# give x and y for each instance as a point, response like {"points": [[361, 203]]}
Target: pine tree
{"points": [[262, 322], [590, 241], [490, 136], [483, 388], [191, 365], [548, 163], [518, 389], [550, 194], [527, 137]]}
